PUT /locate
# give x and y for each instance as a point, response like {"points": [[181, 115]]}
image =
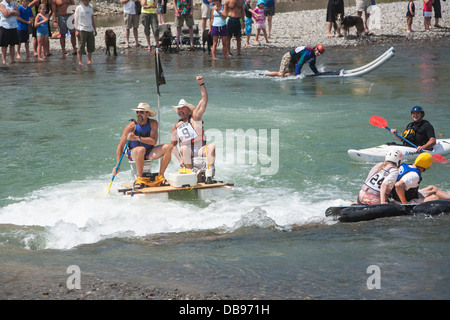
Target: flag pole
{"points": [[157, 90], [159, 81]]}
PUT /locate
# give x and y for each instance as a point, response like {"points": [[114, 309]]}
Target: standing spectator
{"points": [[34, 5], [260, 23], [85, 30], [427, 14], [334, 7], [162, 8], [218, 29], [8, 29], [149, 17], [409, 16], [235, 12], [183, 12], [249, 20], [363, 5], [269, 12], [131, 20], [24, 21], [437, 12], [206, 13], [42, 31], [61, 15]]}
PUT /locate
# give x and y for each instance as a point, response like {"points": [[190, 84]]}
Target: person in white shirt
{"points": [[85, 30], [406, 188], [131, 20]]}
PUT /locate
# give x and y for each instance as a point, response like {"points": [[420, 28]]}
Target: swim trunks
{"points": [[234, 27]]}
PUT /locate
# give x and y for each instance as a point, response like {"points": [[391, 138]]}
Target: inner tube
{"points": [[366, 213], [432, 208]]}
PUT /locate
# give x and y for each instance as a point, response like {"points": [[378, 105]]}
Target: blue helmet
{"points": [[418, 109]]}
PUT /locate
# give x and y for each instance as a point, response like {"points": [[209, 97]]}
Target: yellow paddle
{"points": [[118, 165]]}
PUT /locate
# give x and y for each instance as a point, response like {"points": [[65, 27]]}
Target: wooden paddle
{"points": [[382, 123], [118, 165]]}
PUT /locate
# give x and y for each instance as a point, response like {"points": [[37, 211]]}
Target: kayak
{"points": [[377, 154], [378, 62], [367, 213]]}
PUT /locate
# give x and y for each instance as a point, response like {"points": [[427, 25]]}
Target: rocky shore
{"points": [[309, 27]]}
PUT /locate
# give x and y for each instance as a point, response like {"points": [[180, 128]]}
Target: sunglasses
{"points": [[318, 51], [140, 112]]}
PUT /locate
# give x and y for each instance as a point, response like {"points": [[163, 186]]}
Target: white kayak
{"points": [[377, 154], [378, 62]]}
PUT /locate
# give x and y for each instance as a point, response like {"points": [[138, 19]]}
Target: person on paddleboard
{"points": [[292, 62], [142, 135], [189, 132], [380, 180], [406, 189], [420, 132]]}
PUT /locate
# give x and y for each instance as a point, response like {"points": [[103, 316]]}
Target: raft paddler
{"points": [[189, 131], [142, 135]]}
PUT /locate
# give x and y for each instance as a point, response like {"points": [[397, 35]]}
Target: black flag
{"points": [[159, 71]]}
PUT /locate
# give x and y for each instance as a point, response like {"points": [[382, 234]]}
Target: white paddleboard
{"points": [[378, 62]]}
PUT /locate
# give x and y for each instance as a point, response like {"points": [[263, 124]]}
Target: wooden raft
{"points": [[127, 188]]}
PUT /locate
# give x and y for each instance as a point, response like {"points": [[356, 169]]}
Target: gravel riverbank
{"points": [[309, 27]]}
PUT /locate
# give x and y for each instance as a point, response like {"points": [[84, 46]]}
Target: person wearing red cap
{"points": [[293, 61]]}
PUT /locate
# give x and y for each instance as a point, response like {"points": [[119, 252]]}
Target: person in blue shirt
{"points": [[24, 20], [293, 61]]}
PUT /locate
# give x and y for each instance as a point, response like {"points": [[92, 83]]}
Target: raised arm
{"points": [[201, 107]]}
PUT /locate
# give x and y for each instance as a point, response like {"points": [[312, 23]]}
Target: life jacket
{"points": [[141, 131], [410, 133], [411, 193], [186, 133], [297, 53]]}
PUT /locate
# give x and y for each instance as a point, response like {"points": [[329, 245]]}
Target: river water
{"points": [[268, 238]]}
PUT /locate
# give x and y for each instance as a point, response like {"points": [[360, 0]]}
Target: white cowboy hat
{"points": [[182, 104], [145, 107]]}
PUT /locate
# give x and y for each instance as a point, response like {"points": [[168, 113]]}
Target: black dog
{"points": [[352, 21], [207, 39], [166, 41], [110, 41]]}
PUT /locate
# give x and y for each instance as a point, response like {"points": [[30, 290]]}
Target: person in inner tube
{"points": [[406, 189], [420, 132], [380, 180]]}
